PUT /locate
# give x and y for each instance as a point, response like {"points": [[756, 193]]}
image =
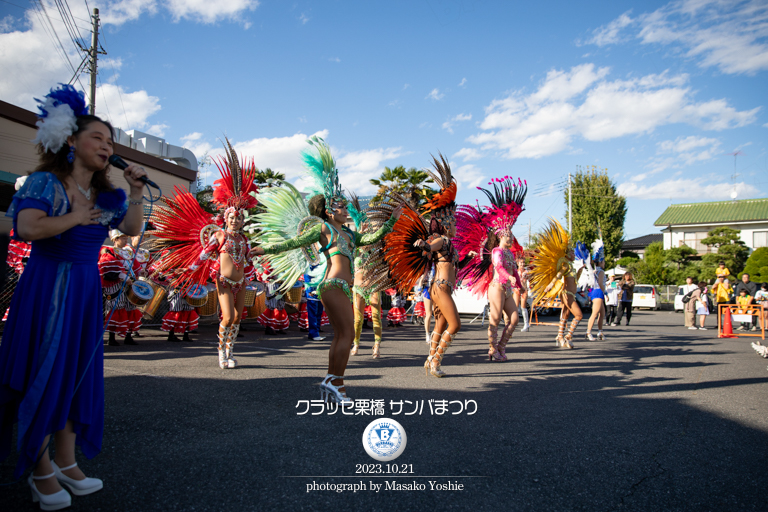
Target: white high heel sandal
{"points": [[329, 392], [77, 487], [55, 501]]}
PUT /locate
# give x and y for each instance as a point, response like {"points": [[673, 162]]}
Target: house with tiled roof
{"points": [[689, 223], [638, 245]]}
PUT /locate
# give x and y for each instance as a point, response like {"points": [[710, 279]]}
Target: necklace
{"points": [[86, 193]]}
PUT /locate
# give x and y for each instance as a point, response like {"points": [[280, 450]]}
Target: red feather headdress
{"points": [[233, 189]]}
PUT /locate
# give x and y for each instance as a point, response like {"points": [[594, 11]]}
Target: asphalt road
{"points": [[656, 417]]}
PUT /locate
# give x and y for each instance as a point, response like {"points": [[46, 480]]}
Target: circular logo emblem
{"points": [[384, 439]]}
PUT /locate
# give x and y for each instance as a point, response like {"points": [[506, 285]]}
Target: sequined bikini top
{"points": [[343, 247], [236, 246]]}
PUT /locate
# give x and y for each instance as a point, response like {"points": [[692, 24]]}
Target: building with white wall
{"points": [[691, 222]]}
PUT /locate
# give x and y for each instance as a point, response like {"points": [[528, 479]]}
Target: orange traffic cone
{"points": [[727, 326]]}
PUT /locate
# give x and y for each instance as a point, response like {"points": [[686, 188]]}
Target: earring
{"points": [[71, 154]]}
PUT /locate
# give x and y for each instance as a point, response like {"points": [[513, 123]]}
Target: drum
{"points": [[197, 296], [140, 292], [250, 294], [259, 306], [211, 307], [293, 296], [150, 308]]}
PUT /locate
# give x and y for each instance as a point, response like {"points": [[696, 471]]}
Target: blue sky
{"points": [[658, 93]]}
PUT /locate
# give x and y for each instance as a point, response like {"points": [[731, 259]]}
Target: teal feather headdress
{"points": [[356, 213], [321, 171]]}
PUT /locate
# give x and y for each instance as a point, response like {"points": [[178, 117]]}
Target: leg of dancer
{"points": [[570, 306], [376, 320], [598, 312], [448, 322], [359, 311], [340, 312], [512, 318], [497, 301]]}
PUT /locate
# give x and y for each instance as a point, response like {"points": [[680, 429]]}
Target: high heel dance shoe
{"points": [[376, 353], [567, 341], [355, 348], [331, 393], [82, 487], [55, 501], [559, 341], [589, 336]]}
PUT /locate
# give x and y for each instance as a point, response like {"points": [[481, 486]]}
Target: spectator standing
{"points": [[761, 298], [722, 291], [611, 299], [626, 292], [690, 316], [751, 288], [702, 305], [722, 271], [691, 305]]}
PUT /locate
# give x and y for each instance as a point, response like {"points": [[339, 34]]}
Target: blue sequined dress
{"points": [[54, 326]]}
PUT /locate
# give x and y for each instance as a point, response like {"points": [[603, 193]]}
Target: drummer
{"points": [[181, 318], [115, 268]]}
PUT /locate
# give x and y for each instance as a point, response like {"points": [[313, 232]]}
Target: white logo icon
{"points": [[384, 439]]}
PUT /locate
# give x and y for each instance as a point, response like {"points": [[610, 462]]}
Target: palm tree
{"points": [[267, 175], [410, 183]]}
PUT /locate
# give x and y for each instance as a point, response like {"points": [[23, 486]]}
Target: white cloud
{"points": [[303, 119], [283, 154], [127, 110], [609, 34], [467, 154], [435, 95], [405, 86], [192, 137], [698, 189], [334, 59], [204, 11], [730, 36], [584, 103], [158, 130], [765, 125], [463, 82], [468, 176], [448, 125], [304, 19]]}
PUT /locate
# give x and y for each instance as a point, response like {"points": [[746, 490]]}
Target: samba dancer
{"points": [[597, 290], [521, 293], [54, 329], [321, 220], [202, 246], [487, 237], [553, 276], [412, 248]]}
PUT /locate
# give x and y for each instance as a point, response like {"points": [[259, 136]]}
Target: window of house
{"points": [[759, 239]]}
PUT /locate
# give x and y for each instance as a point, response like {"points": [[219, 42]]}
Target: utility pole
{"points": [[570, 205], [94, 52]]}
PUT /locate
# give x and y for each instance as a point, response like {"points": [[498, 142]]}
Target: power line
{"points": [[52, 17]]}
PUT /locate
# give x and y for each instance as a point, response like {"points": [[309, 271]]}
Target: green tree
{"points": [[757, 266], [596, 203], [204, 196], [680, 256], [651, 269], [267, 175], [410, 183], [730, 249]]}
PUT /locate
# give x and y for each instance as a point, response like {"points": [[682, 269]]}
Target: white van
{"points": [[645, 296]]}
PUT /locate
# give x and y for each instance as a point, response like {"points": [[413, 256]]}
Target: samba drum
{"points": [[211, 307], [259, 305], [140, 292], [293, 296], [150, 308], [251, 291], [197, 296]]}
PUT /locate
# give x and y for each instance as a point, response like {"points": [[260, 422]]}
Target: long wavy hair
{"points": [[56, 163]]}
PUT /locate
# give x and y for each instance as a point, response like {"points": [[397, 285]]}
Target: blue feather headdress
{"points": [[322, 173], [59, 111], [581, 252], [598, 248]]}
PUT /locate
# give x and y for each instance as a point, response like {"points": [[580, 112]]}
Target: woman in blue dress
{"points": [[53, 337]]}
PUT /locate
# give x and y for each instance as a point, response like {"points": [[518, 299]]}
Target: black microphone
{"points": [[122, 164]]}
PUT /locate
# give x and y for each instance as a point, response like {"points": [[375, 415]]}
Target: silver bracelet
{"points": [[139, 202]]}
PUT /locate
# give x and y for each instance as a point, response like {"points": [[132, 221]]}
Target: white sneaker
{"points": [[693, 328], [702, 328]]}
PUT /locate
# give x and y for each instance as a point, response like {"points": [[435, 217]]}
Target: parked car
{"points": [[679, 306], [646, 297]]}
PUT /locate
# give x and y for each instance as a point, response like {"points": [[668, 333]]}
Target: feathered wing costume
{"points": [[549, 257], [480, 232]]}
